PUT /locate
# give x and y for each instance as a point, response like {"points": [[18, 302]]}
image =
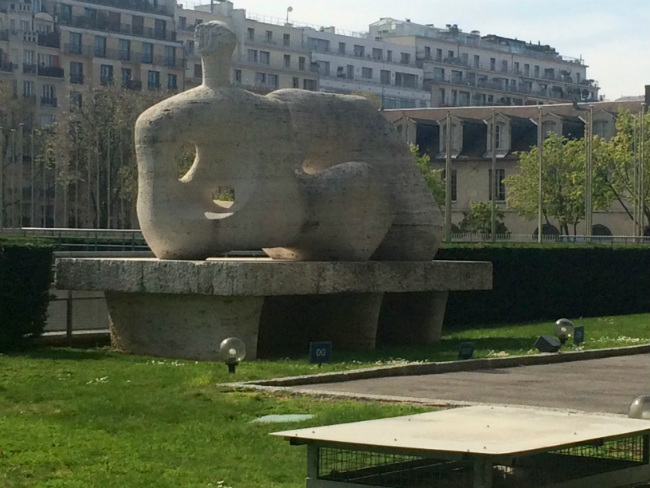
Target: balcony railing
{"points": [[48, 102], [138, 5], [135, 85], [30, 68], [102, 23], [76, 79], [106, 80], [52, 71], [7, 67], [49, 39]]}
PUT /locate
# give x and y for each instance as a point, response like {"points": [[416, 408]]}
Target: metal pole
{"points": [[589, 139], [21, 206], [32, 216], [2, 180], [97, 187], [642, 172], [108, 181], [13, 178], [448, 180], [493, 183], [540, 150]]}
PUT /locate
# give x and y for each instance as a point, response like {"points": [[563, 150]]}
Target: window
{"points": [[182, 23], [341, 47], [198, 70], [309, 85], [384, 77], [504, 66], [75, 43], [28, 88], [442, 98], [65, 14], [153, 80], [456, 76], [477, 61], [439, 74], [172, 82], [170, 56], [252, 56], [75, 100], [406, 80], [359, 51], [124, 49], [465, 59], [189, 48], [237, 76], [260, 79], [350, 72], [147, 52], [100, 46], [301, 63], [269, 36], [76, 73], [516, 67], [438, 54], [450, 54], [389, 56], [126, 76], [366, 73], [48, 96], [405, 58], [295, 82], [526, 69], [501, 187], [377, 54], [536, 71], [287, 60], [272, 81], [251, 33], [493, 64], [106, 74], [286, 40], [324, 68], [498, 134], [265, 57], [160, 28], [427, 52], [137, 24], [321, 45]]}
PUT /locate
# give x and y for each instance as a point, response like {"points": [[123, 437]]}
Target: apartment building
{"points": [[515, 129], [467, 69]]}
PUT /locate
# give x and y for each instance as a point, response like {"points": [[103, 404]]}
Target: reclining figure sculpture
{"points": [[316, 176]]}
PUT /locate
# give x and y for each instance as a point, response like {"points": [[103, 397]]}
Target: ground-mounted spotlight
{"points": [[563, 329], [547, 343], [640, 408], [232, 351]]}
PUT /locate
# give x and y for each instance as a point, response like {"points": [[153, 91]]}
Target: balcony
{"points": [[102, 23], [135, 85], [153, 86], [51, 71], [76, 79], [137, 5], [48, 102], [7, 67], [73, 49], [49, 39], [29, 68], [106, 80]]}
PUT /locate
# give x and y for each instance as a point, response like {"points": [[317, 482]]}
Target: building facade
{"points": [[515, 130]]}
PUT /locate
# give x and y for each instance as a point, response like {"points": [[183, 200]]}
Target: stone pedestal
{"points": [[184, 309]]}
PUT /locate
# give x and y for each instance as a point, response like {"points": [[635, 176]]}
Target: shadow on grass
{"points": [[44, 352]]}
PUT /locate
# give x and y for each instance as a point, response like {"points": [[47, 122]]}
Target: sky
{"points": [[612, 36]]}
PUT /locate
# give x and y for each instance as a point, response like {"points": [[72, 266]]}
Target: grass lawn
{"points": [[93, 418]]}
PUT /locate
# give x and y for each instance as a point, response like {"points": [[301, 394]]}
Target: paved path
{"points": [[598, 385]]}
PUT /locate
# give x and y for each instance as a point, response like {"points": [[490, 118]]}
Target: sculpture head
{"points": [[214, 36]]}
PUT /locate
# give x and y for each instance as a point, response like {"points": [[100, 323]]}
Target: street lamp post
{"points": [[448, 180], [493, 135], [540, 150], [589, 172]]}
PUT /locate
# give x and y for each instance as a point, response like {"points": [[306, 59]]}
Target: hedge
{"points": [[545, 282], [25, 279]]}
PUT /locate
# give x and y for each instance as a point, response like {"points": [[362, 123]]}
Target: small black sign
{"points": [[578, 335], [320, 352], [466, 350]]}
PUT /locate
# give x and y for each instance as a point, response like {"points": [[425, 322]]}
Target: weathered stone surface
{"points": [[266, 277], [316, 176]]}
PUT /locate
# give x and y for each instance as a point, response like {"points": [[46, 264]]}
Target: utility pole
{"points": [[540, 149], [448, 180], [493, 183]]}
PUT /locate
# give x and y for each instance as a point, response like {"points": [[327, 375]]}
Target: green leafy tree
{"points": [[433, 177], [624, 150], [479, 219], [563, 181]]}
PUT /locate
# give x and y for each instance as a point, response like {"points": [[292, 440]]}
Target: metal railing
{"points": [[551, 238], [89, 240]]}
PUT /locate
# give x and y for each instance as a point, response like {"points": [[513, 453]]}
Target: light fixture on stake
{"points": [[232, 351], [563, 329]]}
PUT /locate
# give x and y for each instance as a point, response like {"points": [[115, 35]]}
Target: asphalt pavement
{"points": [[605, 385]]}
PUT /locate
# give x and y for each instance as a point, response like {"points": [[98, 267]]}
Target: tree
{"points": [[92, 152], [433, 177], [479, 219], [563, 181], [626, 166]]}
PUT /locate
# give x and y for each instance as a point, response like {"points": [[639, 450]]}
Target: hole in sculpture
{"points": [[224, 197], [185, 158]]}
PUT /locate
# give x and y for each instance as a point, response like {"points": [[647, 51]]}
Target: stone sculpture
{"points": [[316, 176]]}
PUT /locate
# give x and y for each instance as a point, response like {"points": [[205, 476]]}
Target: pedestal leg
{"points": [[182, 326], [412, 318]]}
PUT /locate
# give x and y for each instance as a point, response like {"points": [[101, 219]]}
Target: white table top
{"points": [[482, 430]]}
